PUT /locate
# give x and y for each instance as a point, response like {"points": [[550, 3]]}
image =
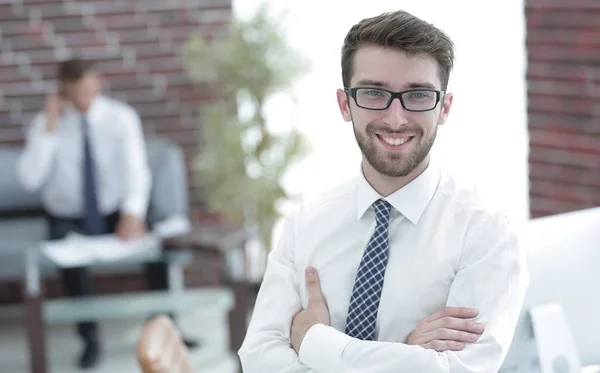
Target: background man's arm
{"points": [[136, 171], [35, 162]]}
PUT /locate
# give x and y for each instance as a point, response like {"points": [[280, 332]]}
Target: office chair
{"points": [[564, 262]]}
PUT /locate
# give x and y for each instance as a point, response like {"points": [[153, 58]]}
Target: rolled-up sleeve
{"points": [[136, 172], [36, 160]]}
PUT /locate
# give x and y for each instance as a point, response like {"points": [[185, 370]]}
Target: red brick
{"points": [[563, 18], [558, 173], [10, 134], [563, 157], [124, 22], [558, 71], [7, 14], [580, 143], [567, 192], [569, 88], [584, 123], [562, 4], [584, 53], [544, 205], [562, 105], [544, 36], [70, 24]]}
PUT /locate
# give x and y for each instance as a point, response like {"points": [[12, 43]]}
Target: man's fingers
{"points": [[458, 312], [442, 346], [454, 324], [313, 286], [449, 335]]}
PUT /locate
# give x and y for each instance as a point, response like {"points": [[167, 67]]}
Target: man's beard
{"points": [[393, 164]]}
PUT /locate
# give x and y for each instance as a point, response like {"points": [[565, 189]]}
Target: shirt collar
{"points": [[410, 200], [95, 111]]}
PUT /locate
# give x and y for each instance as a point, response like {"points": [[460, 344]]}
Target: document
{"points": [[79, 250]]}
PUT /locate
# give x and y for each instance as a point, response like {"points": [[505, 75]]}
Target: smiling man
{"points": [[402, 269]]}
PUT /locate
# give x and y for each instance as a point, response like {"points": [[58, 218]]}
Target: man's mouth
{"points": [[397, 141], [394, 142]]}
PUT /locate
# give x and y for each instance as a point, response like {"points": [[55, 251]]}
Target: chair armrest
{"points": [[212, 239]]}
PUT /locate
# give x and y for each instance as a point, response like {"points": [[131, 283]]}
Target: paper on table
{"points": [[64, 254], [78, 250]]}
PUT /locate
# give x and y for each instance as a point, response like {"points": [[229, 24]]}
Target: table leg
{"points": [[36, 335], [176, 277], [237, 316]]}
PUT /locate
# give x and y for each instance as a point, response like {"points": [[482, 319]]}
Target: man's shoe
{"points": [[190, 343], [90, 356]]}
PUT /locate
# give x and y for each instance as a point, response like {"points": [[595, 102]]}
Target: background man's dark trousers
{"points": [[78, 281]]}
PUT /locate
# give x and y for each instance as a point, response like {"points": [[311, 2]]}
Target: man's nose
{"points": [[396, 114]]}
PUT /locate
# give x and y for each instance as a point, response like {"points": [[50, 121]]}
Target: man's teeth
{"points": [[396, 141]]}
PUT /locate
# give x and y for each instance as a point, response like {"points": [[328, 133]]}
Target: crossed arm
{"points": [[280, 328]]}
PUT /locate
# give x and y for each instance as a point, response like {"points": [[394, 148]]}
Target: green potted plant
{"points": [[241, 162]]}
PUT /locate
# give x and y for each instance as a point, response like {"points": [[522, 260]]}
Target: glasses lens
{"points": [[419, 100], [372, 98]]}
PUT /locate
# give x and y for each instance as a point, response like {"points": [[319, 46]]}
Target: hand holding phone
{"points": [[53, 110]]}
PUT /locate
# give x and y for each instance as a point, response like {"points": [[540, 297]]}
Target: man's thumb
{"points": [[313, 286]]}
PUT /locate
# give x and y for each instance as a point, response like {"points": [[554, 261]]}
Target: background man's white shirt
{"points": [[54, 161]]}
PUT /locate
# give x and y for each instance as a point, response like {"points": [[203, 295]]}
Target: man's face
{"points": [[394, 142], [83, 91]]}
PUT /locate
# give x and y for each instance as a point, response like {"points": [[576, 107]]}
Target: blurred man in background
{"points": [[86, 154]]}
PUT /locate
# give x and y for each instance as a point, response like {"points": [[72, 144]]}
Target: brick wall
{"points": [[138, 46], [563, 43]]}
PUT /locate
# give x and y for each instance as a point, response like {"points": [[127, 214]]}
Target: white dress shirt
{"points": [[54, 161], [445, 249]]}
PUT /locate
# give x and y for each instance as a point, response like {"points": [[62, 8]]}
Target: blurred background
{"points": [[524, 128]]}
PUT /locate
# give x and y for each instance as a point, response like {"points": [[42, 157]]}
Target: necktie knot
{"points": [[382, 211]]}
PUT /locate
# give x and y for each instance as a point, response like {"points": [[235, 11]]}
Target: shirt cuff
{"points": [[322, 348], [136, 207]]}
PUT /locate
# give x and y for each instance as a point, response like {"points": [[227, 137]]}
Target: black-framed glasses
{"points": [[418, 99]]}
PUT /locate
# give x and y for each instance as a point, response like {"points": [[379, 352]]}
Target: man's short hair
{"points": [[74, 69], [399, 30]]}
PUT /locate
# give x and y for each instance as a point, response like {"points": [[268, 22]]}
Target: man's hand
{"points": [[315, 313], [130, 227], [447, 330], [53, 108]]}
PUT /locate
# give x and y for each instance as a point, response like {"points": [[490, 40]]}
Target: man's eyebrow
{"points": [[381, 84], [373, 83], [421, 85]]}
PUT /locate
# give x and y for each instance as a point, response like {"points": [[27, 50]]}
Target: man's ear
{"points": [[446, 105], [343, 100]]}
